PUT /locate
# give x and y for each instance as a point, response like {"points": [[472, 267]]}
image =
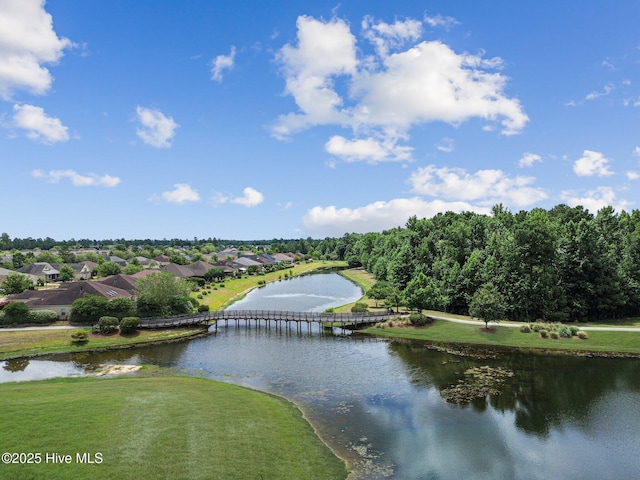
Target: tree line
{"points": [[562, 264]]}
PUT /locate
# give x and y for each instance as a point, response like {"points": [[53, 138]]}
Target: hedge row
{"points": [[33, 317]]}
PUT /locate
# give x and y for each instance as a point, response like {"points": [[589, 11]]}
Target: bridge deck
{"points": [[206, 318]]}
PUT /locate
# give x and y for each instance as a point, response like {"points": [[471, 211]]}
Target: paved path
{"points": [[437, 317], [54, 327], [519, 324]]}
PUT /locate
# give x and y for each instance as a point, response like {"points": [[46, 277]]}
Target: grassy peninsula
{"points": [[163, 427]]}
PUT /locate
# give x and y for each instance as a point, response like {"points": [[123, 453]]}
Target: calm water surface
{"points": [[379, 403]]}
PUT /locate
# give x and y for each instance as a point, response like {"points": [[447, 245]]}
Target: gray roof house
{"points": [[41, 270]]}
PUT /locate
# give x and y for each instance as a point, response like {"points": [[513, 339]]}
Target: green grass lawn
{"points": [[450, 332], [39, 342], [159, 428]]}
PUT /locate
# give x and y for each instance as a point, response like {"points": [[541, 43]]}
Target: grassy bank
{"points": [[364, 280], [443, 331], [39, 342], [150, 428], [219, 297]]}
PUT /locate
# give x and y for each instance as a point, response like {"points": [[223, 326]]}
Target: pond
{"points": [[381, 404]]}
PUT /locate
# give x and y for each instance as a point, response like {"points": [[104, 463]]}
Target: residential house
{"points": [[4, 272], [83, 270], [60, 299], [161, 259], [42, 270]]}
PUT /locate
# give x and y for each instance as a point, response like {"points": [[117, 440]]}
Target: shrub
{"points": [[419, 319], [88, 309], [554, 335], [544, 333], [360, 308], [203, 308], [42, 316], [536, 327], [574, 330], [129, 324], [583, 335], [16, 312], [564, 331], [199, 296], [525, 329], [79, 337], [120, 307], [107, 325]]}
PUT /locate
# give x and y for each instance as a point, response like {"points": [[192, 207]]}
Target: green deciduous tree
{"points": [[487, 304], [88, 309], [15, 283], [66, 273], [161, 294], [108, 268]]}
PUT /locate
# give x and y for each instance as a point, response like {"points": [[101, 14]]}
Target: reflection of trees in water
{"points": [[546, 390], [162, 355], [16, 365]]}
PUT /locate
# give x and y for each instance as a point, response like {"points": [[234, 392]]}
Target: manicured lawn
{"points": [[365, 280], [30, 342], [234, 290], [449, 332], [159, 428]]}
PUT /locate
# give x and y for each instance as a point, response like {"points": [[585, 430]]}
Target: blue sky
{"points": [[257, 120]]}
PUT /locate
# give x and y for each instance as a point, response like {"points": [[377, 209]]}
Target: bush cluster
{"points": [[106, 325], [554, 330], [203, 308], [129, 324], [18, 313], [360, 307], [79, 337], [419, 319]]}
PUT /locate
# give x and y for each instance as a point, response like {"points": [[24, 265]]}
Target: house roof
{"points": [[247, 262], [124, 282], [181, 271], [39, 268], [4, 272], [199, 268], [68, 293]]}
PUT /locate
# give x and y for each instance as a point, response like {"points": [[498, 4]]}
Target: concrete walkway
{"points": [[520, 324], [23, 329]]}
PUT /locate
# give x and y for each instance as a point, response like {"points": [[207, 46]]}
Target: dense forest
{"points": [[563, 264]]}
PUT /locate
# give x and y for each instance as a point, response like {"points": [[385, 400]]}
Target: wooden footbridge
{"points": [[268, 318]]}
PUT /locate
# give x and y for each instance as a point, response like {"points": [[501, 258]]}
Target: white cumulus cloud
{"points": [[486, 187], [594, 200], [332, 221], [39, 126], [156, 129], [222, 63], [27, 42], [370, 150], [181, 194], [395, 89], [528, 159], [250, 198], [77, 180], [592, 163]]}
